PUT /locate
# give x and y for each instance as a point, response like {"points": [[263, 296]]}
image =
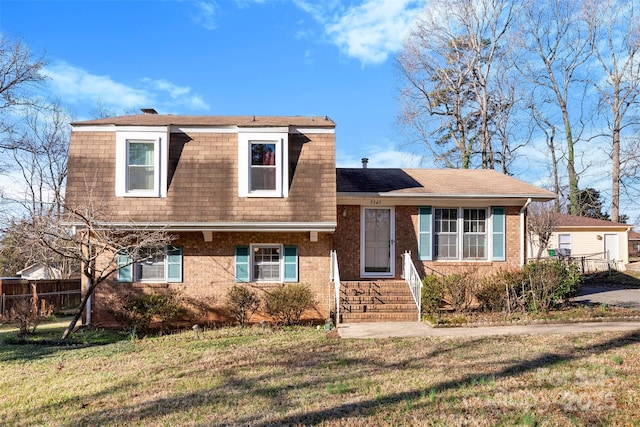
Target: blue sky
{"points": [[229, 57], [250, 57]]}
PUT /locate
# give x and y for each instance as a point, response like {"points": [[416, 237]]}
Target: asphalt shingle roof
{"points": [[435, 182], [178, 120]]}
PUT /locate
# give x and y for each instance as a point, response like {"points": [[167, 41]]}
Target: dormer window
{"points": [[141, 166], [263, 166], [141, 163], [262, 163]]}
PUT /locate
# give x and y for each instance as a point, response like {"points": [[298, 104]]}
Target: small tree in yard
{"points": [[542, 221], [242, 304], [84, 235], [287, 303]]}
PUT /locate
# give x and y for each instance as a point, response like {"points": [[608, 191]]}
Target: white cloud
{"points": [[380, 158], [78, 86], [369, 31], [206, 15]]}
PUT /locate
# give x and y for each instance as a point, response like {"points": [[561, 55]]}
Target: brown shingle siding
{"points": [[203, 180]]}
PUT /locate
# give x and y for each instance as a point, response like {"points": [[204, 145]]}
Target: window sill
{"points": [[149, 285], [450, 262]]}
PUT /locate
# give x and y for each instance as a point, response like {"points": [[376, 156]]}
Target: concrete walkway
{"points": [[418, 329]]}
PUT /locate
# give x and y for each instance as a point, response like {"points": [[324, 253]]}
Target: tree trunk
{"points": [[81, 308]]}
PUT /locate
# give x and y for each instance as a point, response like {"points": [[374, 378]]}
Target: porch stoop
{"points": [[377, 301]]}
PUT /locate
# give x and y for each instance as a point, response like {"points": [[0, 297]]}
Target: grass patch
{"points": [[250, 376], [629, 278]]}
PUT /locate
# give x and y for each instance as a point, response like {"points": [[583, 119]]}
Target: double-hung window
{"points": [[141, 162], [152, 265], [141, 166], [263, 166], [564, 244], [266, 263], [263, 163], [474, 234], [460, 228], [462, 233], [446, 233]]}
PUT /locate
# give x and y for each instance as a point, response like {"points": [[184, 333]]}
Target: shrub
{"points": [[460, 290], [495, 292], [432, 294], [242, 304], [546, 282], [25, 316], [138, 311], [287, 303]]}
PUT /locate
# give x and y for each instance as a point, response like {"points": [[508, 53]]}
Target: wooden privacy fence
{"points": [[53, 296]]}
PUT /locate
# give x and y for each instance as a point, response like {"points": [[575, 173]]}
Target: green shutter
{"points": [[290, 263], [174, 263], [498, 234], [125, 268], [242, 263], [424, 233]]}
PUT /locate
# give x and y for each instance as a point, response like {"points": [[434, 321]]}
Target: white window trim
{"points": [[160, 139], [252, 262], [281, 140], [460, 235]]}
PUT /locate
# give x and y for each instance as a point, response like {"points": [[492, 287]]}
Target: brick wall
{"points": [[347, 243], [209, 273]]}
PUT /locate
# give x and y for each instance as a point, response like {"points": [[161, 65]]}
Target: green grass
{"points": [[248, 376]]}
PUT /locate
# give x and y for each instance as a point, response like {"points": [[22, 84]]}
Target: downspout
{"points": [[523, 233]]}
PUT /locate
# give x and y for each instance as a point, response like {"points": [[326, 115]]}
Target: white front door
{"points": [[377, 242], [611, 247]]}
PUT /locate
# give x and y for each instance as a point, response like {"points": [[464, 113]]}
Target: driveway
{"points": [[628, 298]]}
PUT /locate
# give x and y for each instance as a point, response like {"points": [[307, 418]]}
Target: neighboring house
{"points": [[39, 271], [594, 243], [258, 201], [634, 243]]}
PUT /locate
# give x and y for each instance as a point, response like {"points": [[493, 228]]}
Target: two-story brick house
{"points": [[259, 201]]}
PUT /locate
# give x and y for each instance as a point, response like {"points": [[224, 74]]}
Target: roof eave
{"points": [[538, 197], [323, 227]]}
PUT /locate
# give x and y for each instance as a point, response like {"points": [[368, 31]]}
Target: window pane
{"points": [[474, 246], [141, 153], [140, 177], [263, 154], [263, 178], [446, 246]]}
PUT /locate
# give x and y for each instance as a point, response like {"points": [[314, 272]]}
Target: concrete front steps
{"points": [[377, 301]]}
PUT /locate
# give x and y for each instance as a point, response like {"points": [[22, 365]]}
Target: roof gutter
{"points": [[523, 232], [446, 196], [322, 227]]}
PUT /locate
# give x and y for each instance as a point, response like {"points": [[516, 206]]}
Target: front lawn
{"points": [[299, 376]]}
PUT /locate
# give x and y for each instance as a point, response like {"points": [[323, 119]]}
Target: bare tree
{"points": [[616, 46], [549, 131], [555, 43], [85, 236], [542, 222], [451, 98], [20, 71], [40, 153]]}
